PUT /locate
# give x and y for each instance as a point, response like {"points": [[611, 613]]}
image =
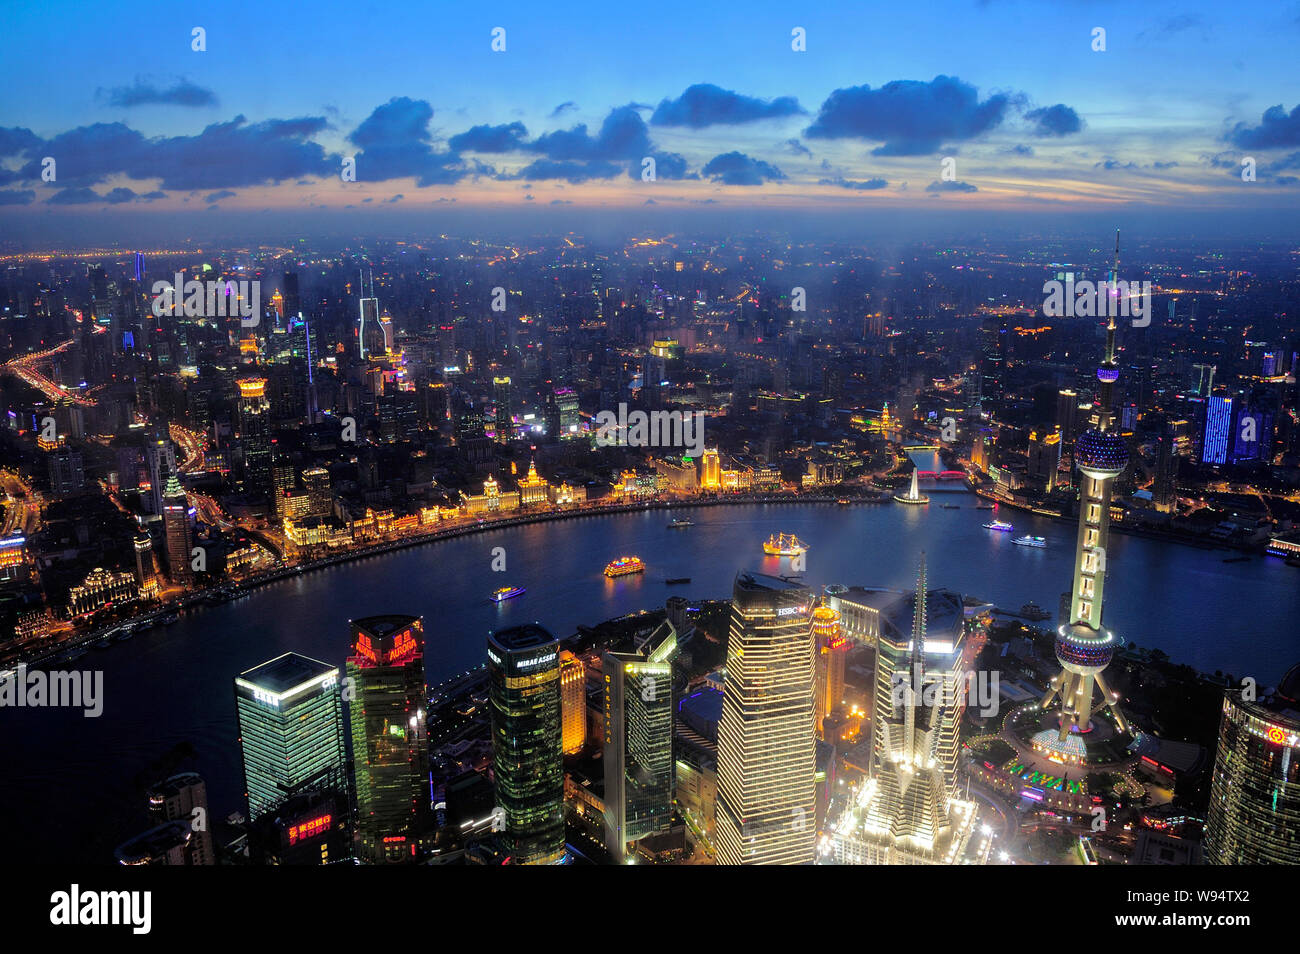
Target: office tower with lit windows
{"points": [[1083, 647], [524, 698], [146, 579], [390, 743], [569, 420], [1217, 436], [178, 534], [993, 359], [832, 652], [369, 309], [1254, 814], [1044, 459], [573, 702], [255, 435], [638, 750], [767, 761], [906, 812], [290, 730], [161, 458], [503, 398]]}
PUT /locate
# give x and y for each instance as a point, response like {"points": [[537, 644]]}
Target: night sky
{"points": [[734, 118]]}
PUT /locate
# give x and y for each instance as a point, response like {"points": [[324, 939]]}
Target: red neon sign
{"points": [[309, 829]]}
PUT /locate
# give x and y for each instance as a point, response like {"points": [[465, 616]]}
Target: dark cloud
{"points": [[736, 168], [798, 148], [861, 185], [1021, 150], [153, 196], [16, 196], [183, 93], [1058, 120], [566, 106], [503, 138], [396, 144], [394, 200], [704, 104], [218, 196], [234, 153], [910, 117], [950, 186], [668, 165], [16, 141], [1277, 130], [121, 194], [623, 135], [1112, 164]]}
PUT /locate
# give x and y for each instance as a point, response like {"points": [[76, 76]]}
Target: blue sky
{"points": [[1013, 91]]}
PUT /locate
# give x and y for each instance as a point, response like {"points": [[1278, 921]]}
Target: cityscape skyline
{"points": [[860, 435]]}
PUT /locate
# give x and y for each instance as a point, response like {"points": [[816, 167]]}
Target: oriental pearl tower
{"points": [[1083, 648]]}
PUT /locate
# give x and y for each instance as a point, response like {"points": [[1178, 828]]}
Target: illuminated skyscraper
{"points": [[145, 572], [390, 744], [369, 306], [255, 435], [767, 760], [1254, 816], [528, 761], [177, 531], [573, 702], [905, 812], [1218, 430], [290, 730], [1083, 647], [832, 650], [638, 753]]}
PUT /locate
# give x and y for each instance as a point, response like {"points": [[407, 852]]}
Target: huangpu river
{"points": [[70, 787]]}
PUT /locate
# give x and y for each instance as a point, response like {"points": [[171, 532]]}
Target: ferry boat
{"points": [[784, 544], [1028, 541], [1032, 611], [678, 579], [624, 566], [679, 523], [1000, 526], [843, 501], [507, 592]]}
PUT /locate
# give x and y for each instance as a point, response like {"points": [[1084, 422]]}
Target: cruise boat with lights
{"points": [[624, 566], [1028, 541], [507, 592], [1000, 526], [678, 523], [784, 544]]}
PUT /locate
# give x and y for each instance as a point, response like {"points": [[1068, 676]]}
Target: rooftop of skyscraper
{"points": [[284, 672], [525, 636]]}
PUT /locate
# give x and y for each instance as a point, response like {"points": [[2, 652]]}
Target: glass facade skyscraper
{"points": [[528, 761], [1254, 815], [638, 753], [767, 761], [290, 729], [390, 745]]}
